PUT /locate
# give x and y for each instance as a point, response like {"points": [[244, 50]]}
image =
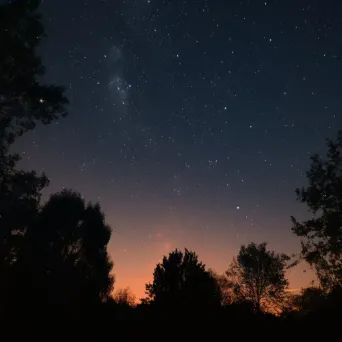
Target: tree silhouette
{"points": [[258, 276], [24, 101], [315, 303], [124, 297], [181, 281], [322, 235], [227, 295], [310, 300], [63, 262]]}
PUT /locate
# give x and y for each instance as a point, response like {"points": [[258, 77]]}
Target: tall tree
{"points": [[181, 281], [257, 275], [322, 235], [24, 101], [63, 261]]}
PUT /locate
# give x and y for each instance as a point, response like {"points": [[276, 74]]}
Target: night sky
{"points": [[191, 122]]}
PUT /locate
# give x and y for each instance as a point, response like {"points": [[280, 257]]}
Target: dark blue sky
{"points": [[191, 122]]}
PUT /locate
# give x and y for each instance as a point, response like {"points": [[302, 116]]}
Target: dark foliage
{"points": [[61, 261], [181, 282], [24, 101], [322, 235], [124, 297], [315, 304], [258, 276]]}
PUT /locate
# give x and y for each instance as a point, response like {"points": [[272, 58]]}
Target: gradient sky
{"points": [[191, 122]]}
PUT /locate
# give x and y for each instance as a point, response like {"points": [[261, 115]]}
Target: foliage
{"points": [[124, 297], [68, 246], [56, 253], [227, 295], [180, 280], [61, 261], [310, 299], [258, 276], [315, 303], [322, 235], [19, 202], [24, 101]]}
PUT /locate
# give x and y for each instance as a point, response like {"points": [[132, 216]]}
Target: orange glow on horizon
{"points": [[135, 257]]}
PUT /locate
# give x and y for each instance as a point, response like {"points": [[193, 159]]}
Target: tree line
{"points": [[55, 269]]}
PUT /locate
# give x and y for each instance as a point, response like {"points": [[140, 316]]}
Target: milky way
{"points": [[118, 86]]}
